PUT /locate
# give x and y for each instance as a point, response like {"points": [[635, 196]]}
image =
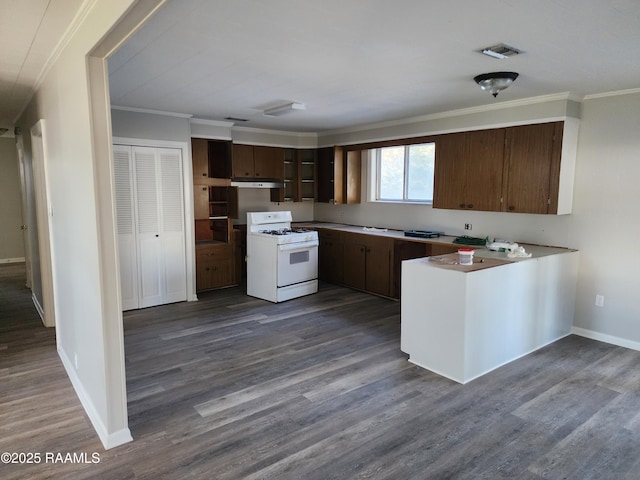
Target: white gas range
{"points": [[282, 262]]}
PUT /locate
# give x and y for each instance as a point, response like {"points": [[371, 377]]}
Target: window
{"points": [[405, 173]]}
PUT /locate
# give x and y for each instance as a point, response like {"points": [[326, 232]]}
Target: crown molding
{"points": [[616, 93], [455, 113], [266, 131], [152, 112]]}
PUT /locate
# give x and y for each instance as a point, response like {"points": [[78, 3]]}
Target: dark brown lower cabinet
{"points": [[367, 262], [330, 263], [215, 266]]}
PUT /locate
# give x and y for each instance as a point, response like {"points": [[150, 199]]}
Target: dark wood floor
{"points": [[232, 387]]}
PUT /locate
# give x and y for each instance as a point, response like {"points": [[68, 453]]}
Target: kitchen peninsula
{"points": [[464, 321]]}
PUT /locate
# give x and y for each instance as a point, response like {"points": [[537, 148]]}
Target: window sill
{"points": [[400, 202]]}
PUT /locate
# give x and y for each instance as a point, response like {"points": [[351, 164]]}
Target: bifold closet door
{"points": [[125, 224], [150, 218]]}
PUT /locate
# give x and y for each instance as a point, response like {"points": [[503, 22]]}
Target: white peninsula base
{"points": [[462, 322]]}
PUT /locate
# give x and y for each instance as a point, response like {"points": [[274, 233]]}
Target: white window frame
{"points": [[375, 159]]}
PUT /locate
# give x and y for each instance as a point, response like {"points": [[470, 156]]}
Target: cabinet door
{"points": [[201, 202], [531, 150], [200, 158], [483, 167], [242, 161], [354, 261], [352, 177], [214, 274], [214, 266], [330, 259], [468, 170], [268, 162], [378, 265], [448, 184]]}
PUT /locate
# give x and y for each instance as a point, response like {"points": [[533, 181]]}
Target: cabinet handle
{"points": [[461, 205], [157, 235], [204, 174], [511, 208], [470, 205], [204, 189]]}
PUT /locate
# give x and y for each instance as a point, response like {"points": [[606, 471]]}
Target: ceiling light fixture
{"points": [[284, 109], [495, 82]]}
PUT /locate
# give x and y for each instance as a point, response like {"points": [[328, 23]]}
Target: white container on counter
{"points": [[466, 256]]}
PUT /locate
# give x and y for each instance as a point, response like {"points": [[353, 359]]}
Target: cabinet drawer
{"points": [[208, 252], [215, 273]]}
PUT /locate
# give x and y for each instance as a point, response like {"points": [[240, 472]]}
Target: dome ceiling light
{"points": [[495, 82]]}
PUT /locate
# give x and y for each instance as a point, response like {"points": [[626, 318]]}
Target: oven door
{"points": [[297, 262]]}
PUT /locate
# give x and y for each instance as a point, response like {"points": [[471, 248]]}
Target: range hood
{"points": [[256, 184]]}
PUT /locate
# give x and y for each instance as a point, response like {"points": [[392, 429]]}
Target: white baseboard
{"points": [[109, 440], [39, 308], [602, 337], [12, 260]]}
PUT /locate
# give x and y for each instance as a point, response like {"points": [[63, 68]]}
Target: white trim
{"points": [[39, 309], [213, 123], [187, 174], [149, 111], [456, 113], [12, 260], [612, 94], [488, 126], [603, 337], [71, 30], [44, 214], [109, 440], [275, 132]]}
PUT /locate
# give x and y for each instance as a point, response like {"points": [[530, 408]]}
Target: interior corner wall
{"points": [[11, 236], [62, 100], [605, 219]]}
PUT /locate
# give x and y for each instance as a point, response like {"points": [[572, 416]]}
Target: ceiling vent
{"points": [[501, 51]]}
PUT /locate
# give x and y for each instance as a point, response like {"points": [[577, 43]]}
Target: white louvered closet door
{"points": [[150, 216], [125, 224], [147, 195], [172, 219]]}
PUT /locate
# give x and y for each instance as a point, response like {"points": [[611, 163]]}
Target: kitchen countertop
{"points": [[537, 251]]}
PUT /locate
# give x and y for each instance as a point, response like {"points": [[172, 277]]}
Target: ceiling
{"points": [[29, 33], [350, 62]]}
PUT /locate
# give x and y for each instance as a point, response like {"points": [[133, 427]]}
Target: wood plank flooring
{"points": [[231, 387]]}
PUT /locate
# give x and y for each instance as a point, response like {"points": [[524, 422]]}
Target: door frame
{"points": [[44, 214], [187, 189], [26, 227]]}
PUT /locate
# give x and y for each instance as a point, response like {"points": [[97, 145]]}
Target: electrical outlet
{"points": [[599, 300], [468, 226]]}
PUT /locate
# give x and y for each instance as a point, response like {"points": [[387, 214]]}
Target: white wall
{"points": [[150, 126], [11, 237], [84, 333], [606, 223]]}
